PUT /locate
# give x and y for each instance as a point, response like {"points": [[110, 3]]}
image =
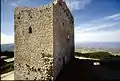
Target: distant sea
{"points": [[102, 45]]}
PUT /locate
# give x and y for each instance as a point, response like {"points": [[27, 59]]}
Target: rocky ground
{"points": [[8, 76]]}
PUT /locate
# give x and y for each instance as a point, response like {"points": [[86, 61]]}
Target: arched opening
{"points": [[68, 37], [30, 29], [63, 61]]}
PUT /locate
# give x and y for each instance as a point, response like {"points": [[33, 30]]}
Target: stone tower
{"points": [[44, 41]]}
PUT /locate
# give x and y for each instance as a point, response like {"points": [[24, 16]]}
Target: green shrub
{"points": [[97, 55]]}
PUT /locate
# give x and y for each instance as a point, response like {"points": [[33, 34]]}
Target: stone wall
{"points": [[44, 41], [33, 43], [63, 31]]}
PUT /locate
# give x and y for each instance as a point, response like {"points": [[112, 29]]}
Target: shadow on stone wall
{"points": [[85, 70]]}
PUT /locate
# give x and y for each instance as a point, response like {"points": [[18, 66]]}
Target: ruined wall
{"points": [[33, 43], [63, 31]]}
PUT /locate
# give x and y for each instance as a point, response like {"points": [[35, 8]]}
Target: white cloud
{"points": [[114, 17], [17, 2], [103, 36], [5, 39], [77, 4], [94, 31], [14, 4], [91, 28], [117, 18]]}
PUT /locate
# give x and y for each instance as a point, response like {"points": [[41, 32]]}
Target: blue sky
{"points": [[95, 20]]}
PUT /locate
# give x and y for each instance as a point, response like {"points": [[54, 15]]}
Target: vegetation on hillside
{"points": [[98, 55], [106, 59], [7, 67], [9, 54]]}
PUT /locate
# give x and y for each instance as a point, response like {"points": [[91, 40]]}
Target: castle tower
{"points": [[44, 41]]}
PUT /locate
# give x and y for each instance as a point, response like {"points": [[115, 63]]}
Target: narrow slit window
{"points": [[63, 24], [30, 30], [63, 61], [68, 37]]}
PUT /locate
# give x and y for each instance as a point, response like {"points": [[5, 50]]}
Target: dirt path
{"points": [[8, 76]]}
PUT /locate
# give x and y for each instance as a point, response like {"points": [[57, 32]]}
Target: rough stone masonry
{"points": [[44, 41]]}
